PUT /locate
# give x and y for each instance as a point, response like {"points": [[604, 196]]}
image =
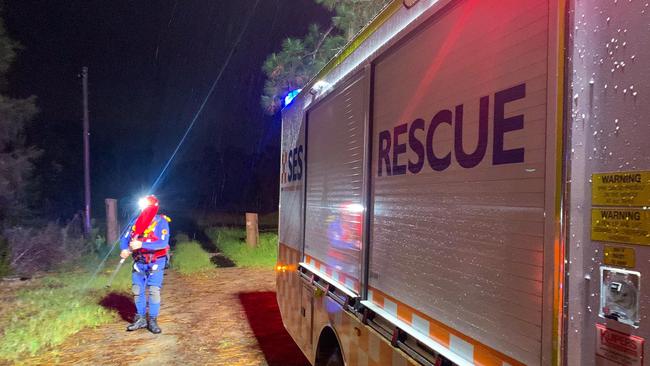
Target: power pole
{"points": [[86, 123]]}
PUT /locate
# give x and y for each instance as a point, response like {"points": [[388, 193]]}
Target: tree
{"points": [[300, 59], [16, 158]]}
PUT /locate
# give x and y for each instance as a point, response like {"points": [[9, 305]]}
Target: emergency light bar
{"points": [[291, 96]]}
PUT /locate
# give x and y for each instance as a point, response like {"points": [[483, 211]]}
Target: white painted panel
{"points": [[609, 132], [292, 166], [334, 189], [464, 244]]}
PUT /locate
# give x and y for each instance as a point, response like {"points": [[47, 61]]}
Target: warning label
{"points": [[621, 189], [619, 256], [618, 348], [620, 225]]}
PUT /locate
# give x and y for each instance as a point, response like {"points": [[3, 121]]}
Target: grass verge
{"points": [[232, 243], [189, 257], [52, 308]]}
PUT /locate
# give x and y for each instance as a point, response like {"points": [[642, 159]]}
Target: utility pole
{"points": [[86, 123]]}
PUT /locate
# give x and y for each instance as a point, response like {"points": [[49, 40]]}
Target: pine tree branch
{"points": [[320, 43]]}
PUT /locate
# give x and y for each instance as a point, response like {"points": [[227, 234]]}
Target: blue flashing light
{"points": [[290, 97]]}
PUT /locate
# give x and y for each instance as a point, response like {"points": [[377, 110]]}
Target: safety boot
{"points": [[153, 326], [138, 323]]}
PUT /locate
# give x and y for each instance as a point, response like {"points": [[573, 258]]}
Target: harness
{"points": [[148, 256]]}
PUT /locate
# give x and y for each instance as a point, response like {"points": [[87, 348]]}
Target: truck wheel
{"points": [[335, 359], [328, 352]]}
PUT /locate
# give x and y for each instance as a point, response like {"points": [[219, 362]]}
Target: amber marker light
{"points": [[281, 268]]}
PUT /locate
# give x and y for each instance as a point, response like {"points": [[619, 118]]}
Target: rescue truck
{"points": [[468, 182]]}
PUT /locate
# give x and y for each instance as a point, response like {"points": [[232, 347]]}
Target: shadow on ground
{"points": [[121, 303], [186, 225], [189, 227], [220, 260], [263, 315]]}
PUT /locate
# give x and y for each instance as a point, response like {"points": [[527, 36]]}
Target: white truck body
{"points": [[424, 184]]}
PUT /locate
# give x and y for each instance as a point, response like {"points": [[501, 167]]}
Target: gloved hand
{"points": [[124, 253], [135, 244]]}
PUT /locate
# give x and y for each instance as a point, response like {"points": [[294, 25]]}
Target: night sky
{"points": [[151, 64]]}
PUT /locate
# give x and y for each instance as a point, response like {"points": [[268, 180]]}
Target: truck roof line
{"points": [[357, 40]]}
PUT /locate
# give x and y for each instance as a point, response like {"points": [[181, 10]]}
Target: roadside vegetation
{"points": [[189, 257], [232, 243], [49, 309]]}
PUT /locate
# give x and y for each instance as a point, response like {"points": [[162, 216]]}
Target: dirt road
{"points": [[225, 317]]}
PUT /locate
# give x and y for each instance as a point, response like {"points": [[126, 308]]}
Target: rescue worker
{"points": [[149, 247]]}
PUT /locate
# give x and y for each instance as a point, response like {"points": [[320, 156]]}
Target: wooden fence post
{"points": [[112, 227], [252, 232]]}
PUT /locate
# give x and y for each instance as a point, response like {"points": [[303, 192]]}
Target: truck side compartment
{"points": [[418, 191]]}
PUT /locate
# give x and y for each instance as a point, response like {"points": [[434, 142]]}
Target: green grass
{"points": [[55, 307], [189, 257], [230, 242]]}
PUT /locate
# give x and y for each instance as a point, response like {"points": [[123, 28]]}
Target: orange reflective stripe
{"points": [[343, 278], [441, 333]]}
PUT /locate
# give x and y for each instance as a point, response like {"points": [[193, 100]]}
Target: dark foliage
{"points": [[5, 257], [301, 59], [43, 248]]}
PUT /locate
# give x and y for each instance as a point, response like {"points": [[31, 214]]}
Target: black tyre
{"points": [[335, 359]]}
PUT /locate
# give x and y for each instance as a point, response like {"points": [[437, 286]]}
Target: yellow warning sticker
{"points": [[620, 225], [619, 256], [621, 189]]}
